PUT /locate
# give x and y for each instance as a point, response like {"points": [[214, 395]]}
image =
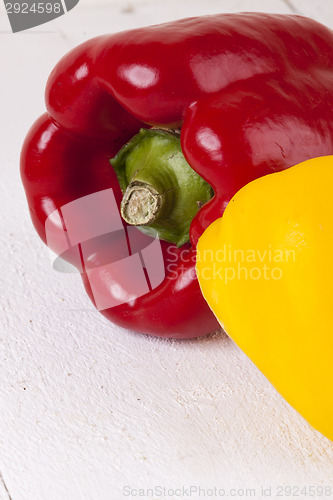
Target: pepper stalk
{"points": [[161, 192]]}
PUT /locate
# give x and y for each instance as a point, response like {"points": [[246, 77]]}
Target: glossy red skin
{"points": [[252, 92]]}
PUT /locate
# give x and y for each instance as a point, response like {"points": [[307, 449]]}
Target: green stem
{"points": [[162, 193]]}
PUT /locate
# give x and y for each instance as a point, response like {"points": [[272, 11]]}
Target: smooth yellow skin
{"points": [[280, 317]]}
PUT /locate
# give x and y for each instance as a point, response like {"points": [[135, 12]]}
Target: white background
{"points": [[87, 408]]}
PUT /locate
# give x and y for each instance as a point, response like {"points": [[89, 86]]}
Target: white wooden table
{"points": [[89, 411]]}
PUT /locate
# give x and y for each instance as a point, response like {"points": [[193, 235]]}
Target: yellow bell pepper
{"points": [[266, 270]]}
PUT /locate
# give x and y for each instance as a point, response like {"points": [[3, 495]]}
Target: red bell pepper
{"points": [[252, 94]]}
